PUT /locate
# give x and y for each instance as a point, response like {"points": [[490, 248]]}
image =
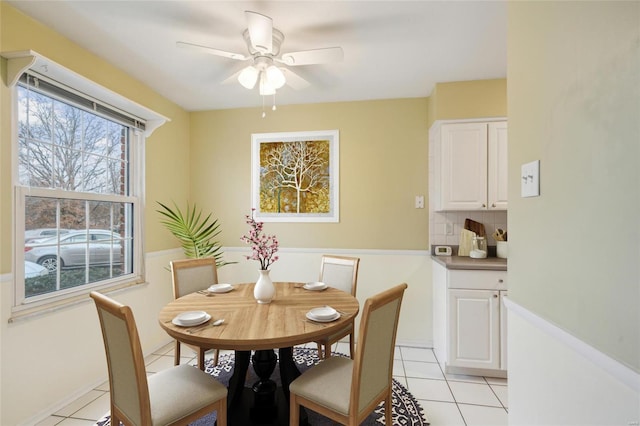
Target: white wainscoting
{"points": [[557, 379], [379, 270], [67, 342]]}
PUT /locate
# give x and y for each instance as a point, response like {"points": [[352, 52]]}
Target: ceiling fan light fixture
{"points": [[248, 77], [266, 87], [275, 76]]}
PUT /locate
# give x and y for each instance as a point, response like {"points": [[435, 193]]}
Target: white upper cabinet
{"points": [[470, 165], [497, 166]]}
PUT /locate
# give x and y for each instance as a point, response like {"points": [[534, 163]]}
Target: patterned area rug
{"points": [[406, 410]]}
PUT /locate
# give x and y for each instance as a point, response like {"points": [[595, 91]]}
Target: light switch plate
{"points": [[530, 179], [419, 202]]}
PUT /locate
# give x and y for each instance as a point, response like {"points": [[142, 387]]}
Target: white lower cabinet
{"points": [[470, 321]]}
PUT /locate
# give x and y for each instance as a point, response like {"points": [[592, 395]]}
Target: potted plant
{"points": [[195, 232]]}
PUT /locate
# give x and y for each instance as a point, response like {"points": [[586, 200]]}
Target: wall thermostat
{"points": [[443, 250]]}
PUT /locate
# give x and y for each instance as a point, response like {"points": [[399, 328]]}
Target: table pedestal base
{"points": [[265, 403]]}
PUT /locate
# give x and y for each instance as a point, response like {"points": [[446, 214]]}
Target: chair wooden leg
{"points": [[115, 420], [201, 358], [327, 350], [388, 409], [294, 411], [216, 355], [352, 348], [222, 412], [320, 353], [176, 354]]}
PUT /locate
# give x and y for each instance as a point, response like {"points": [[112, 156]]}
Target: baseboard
{"points": [[425, 344]]}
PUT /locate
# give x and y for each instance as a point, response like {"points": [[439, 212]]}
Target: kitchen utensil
{"points": [[322, 313], [499, 235], [502, 249], [315, 286], [476, 227], [478, 247], [192, 318], [466, 238], [220, 288], [177, 321]]}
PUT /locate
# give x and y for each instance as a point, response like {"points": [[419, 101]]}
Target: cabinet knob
{"points": [[500, 280], [493, 205], [484, 205], [495, 296]]}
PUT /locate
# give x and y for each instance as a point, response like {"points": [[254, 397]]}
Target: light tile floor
{"points": [[447, 399]]}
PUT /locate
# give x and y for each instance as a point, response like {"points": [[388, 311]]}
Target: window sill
{"points": [[25, 312]]}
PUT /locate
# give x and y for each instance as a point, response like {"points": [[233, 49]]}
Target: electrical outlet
{"points": [[530, 179], [419, 203], [448, 228]]}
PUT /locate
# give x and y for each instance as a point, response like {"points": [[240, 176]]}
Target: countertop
{"points": [[465, 262]]}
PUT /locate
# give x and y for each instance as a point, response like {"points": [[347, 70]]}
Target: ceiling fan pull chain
{"points": [[274, 103], [264, 114]]}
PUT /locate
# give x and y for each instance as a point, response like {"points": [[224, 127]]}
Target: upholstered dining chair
{"points": [[175, 396], [340, 272], [348, 390], [191, 275]]}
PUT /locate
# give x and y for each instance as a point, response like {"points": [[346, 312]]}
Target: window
{"points": [[78, 191]]}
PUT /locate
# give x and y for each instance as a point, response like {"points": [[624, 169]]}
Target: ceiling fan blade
{"points": [[294, 80], [212, 51], [260, 31], [314, 56], [233, 78]]}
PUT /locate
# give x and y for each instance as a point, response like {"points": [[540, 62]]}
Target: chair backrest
{"points": [[127, 375], [191, 275], [340, 272], [373, 362]]}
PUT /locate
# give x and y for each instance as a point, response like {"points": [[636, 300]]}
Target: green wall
{"points": [[574, 251]]}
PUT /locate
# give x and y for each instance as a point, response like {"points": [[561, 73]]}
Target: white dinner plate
{"points": [[220, 288], [315, 286], [316, 319], [180, 322], [323, 313]]}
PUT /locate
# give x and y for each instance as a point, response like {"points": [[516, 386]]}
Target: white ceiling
{"points": [[392, 49]]}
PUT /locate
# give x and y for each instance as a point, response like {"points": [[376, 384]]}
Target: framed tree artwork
{"points": [[294, 176]]}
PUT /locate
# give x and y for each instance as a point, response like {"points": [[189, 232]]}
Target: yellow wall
{"points": [[167, 148], [383, 166], [468, 99], [204, 157], [68, 341]]}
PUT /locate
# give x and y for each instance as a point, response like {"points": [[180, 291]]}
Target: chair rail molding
{"points": [[613, 367]]}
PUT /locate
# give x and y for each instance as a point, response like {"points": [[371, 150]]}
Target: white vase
{"points": [[264, 290]]}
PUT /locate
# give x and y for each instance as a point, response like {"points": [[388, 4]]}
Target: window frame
{"points": [[18, 63]]}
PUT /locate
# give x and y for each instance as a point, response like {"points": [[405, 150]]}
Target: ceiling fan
{"points": [[263, 43]]}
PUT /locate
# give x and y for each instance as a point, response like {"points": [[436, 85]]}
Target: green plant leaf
{"points": [[193, 232]]}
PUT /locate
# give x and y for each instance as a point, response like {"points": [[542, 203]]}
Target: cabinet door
{"points": [[463, 166], [497, 166], [503, 331], [474, 333]]}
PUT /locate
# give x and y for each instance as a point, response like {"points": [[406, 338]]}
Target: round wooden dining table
{"points": [[249, 326]]}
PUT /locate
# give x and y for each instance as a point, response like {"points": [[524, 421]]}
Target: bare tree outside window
{"points": [[65, 148]]}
